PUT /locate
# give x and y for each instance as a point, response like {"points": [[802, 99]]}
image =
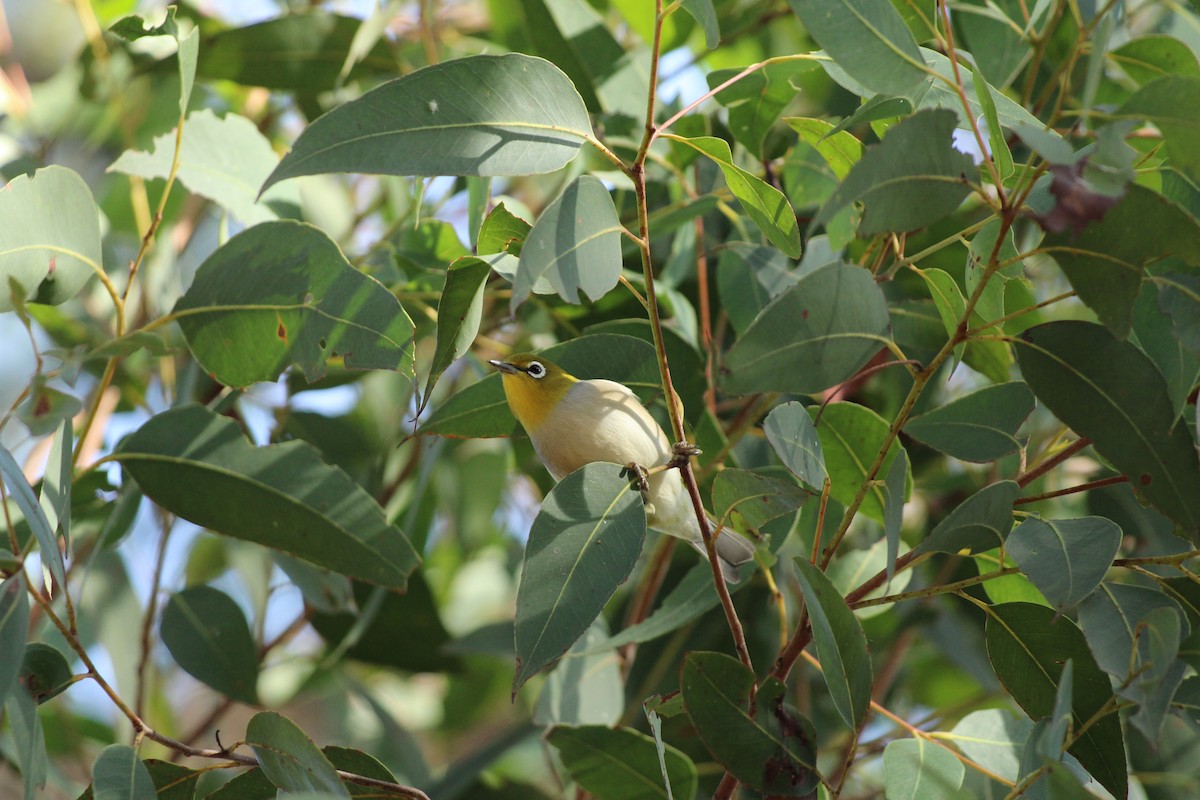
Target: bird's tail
{"points": [[732, 549]]}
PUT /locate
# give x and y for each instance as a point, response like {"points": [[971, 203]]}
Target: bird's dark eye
{"points": [[535, 370]]}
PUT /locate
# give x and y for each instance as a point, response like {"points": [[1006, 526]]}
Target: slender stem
{"points": [[1053, 461], [1083, 487], [933, 591], [151, 613]]}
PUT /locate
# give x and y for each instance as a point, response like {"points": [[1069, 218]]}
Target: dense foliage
{"points": [[923, 276]]}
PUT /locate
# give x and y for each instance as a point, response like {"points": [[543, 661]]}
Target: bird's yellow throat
{"points": [[532, 399]]}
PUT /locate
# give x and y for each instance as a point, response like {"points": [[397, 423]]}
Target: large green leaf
{"points": [[282, 293], [792, 435], [988, 356], [815, 335], [199, 466], [585, 687], [583, 545], [918, 769], [14, 628], [850, 437], [480, 410], [840, 642], [1106, 262], [50, 239], [575, 245], [118, 774], [460, 308], [172, 781], [980, 426], [45, 673], [765, 204], [867, 38], [1172, 103], [772, 750], [1111, 618], [979, 523], [914, 158], [1065, 558], [289, 758], [993, 737], [482, 115], [749, 277], [622, 764], [1028, 645], [29, 740], [206, 633], [840, 149], [301, 52], [1110, 392], [224, 159]]}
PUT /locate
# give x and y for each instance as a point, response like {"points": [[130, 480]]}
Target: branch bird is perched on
{"points": [[574, 422]]}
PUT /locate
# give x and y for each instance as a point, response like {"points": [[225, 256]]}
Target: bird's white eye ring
{"points": [[535, 370]]}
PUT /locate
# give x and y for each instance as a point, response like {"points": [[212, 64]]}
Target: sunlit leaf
{"points": [[918, 769], [460, 309], [118, 774]]}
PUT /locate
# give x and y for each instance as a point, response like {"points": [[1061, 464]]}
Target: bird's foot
{"points": [[682, 452], [639, 477]]}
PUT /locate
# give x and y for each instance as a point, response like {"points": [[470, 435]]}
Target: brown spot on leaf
{"points": [[281, 331], [1144, 479], [1079, 203], [804, 314]]}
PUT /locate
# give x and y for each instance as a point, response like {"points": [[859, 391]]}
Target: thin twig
{"points": [[1083, 487]]}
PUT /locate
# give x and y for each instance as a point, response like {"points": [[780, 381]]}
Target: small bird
{"points": [[574, 422]]}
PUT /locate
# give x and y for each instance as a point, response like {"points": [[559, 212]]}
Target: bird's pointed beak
{"points": [[504, 366]]}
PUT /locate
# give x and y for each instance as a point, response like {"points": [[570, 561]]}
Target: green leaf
{"points": [[840, 149], [45, 673], [29, 740], [749, 276], [622, 764], [14, 628], [133, 27], [50, 239], [460, 308], [522, 116], [118, 774], [1162, 336], [1111, 617], [756, 100], [794, 438], [993, 737], [815, 335], [56, 483], [914, 158], [755, 498], [893, 508], [301, 52], [224, 159], [1187, 699], [1157, 55], [502, 231], [582, 546], [22, 494], [171, 781], [575, 245], [1110, 392], [198, 465], [1065, 558], [1172, 103], [980, 426], [706, 15], [918, 769], [1179, 298], [1028, 645], [979, 523], [585, 687], [282, 293], [773, 750], [207, 635], [867, 38], [1106, 262], [481, 411], [1159, 673], [840, 642], [850, 437], [997, 143], [765, 204], [289, 758]]}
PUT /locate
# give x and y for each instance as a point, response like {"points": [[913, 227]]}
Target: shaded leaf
{"points": [[749, 276], [50, 239], [289, 758], [1179, 298], [282, 293], [583, 545], [914, 157], [460, 309], [45, 673], [765, 204], [840, 643], [1065, 558], [585, 687], [199, 466], [815, 335], [753, 496], [755, 101], [980, 426], [706, 15], [979, 523], [1110, 392], [994, 738], [773, 750], [522, 116], [118, 774], [1028, 645], [1111, 618], [207, 635], [22, 494], [172, 781], [14, 629], [622, 764], [893, 508], [29, 740], [794, 438], [918, 769], [575, 245], [850, 438], [1172, 103], [56, 483]]}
